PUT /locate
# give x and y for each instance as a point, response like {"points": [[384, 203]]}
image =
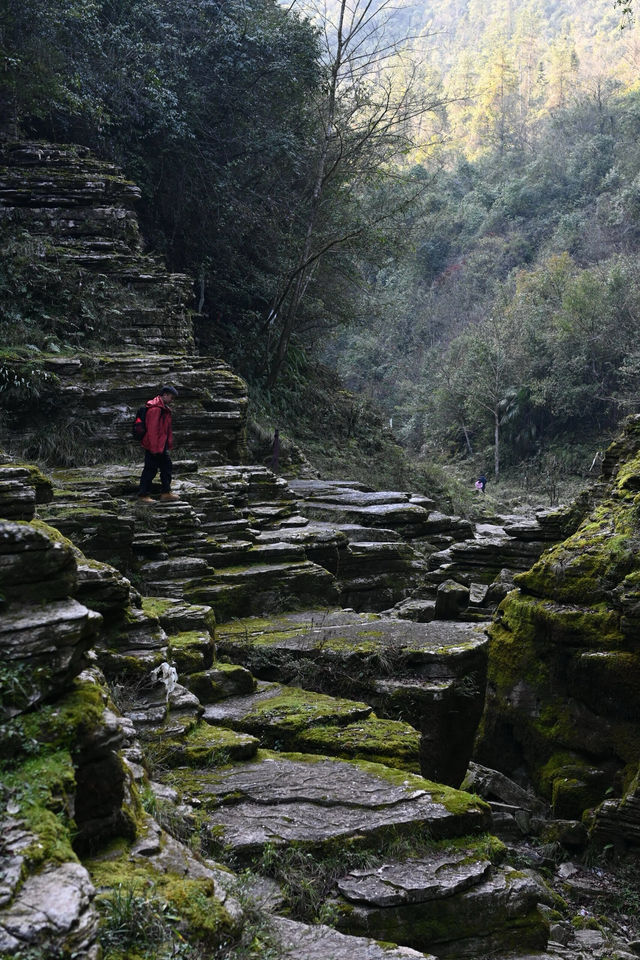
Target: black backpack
{"points": [[139, 425]]}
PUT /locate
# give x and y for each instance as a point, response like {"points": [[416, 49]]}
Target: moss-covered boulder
{"points": [[564, 665]]}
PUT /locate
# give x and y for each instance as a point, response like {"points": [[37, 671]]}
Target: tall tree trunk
{"points": [[496, 443], [466, 438], [299, 284]]}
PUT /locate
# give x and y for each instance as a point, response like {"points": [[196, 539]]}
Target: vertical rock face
{"points": [[564, 676], [80, 211]]}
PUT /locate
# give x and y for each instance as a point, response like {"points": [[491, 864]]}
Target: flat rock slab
{"points": [[414, 881], [299, 941], [295, 719], [177, 616], [436, 648], [206, 745], [282, 799], [431, 675], [355, 532]]}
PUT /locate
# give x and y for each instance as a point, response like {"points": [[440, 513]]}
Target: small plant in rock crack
{"points": [[130, 919], [258, 940]]}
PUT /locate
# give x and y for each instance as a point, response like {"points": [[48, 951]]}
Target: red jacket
{"points": [[159, 435]]}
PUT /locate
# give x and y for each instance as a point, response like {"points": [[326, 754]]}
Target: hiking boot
{"points": [[169, 496], [146, 500]]}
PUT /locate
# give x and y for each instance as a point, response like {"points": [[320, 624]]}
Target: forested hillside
{"points": [[510, 334]]}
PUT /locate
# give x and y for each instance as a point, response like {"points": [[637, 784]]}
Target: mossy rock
{"points": [[203, 747], [220, 681], [389, 742], [41, 789], [190, 905], [592, 561], [192, 651]]}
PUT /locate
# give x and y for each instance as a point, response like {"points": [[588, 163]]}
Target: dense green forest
{"points": [[510, 335], [439, 199]]}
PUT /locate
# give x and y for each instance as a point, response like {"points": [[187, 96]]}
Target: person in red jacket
{"points": [[157, 441]]}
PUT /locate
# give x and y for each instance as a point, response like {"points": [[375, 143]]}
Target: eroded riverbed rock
{"points": [[429, 674], [283, 799]]}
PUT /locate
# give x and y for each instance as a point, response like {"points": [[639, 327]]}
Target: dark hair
{"points": [[169, 390]]}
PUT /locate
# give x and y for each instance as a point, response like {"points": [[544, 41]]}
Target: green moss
{"points": [[203, 747], [59, 727], [591, 561], [43, 788], [192, 651], [390, 742], [190, 637], [42, 483], [52, 534], [294, 709], [191, 902], [156, 606]]}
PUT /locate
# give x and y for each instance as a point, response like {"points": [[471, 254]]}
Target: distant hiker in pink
{"points": [[157, 440]]}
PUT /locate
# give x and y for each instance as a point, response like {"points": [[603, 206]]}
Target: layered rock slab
{"points": [[454, 903], [431, 675], [282, 799], [43, 644], [105, 392], [289, 718]]}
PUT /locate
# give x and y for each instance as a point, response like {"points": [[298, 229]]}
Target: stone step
{"points": [[191, 651], [431, 675], [279, 712], [410, 515], [262, 515], [163, 711], [290, 718], [483, 557], [204, 746], [219, 682], [317, 802], [17, 494], [231, 528]]}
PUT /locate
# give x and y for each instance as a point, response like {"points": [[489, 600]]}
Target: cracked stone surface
{"points": [[414, 881], [490, 910], [282, 799]]}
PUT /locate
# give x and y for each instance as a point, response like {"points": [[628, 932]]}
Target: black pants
{"points": [[152, 463]]}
